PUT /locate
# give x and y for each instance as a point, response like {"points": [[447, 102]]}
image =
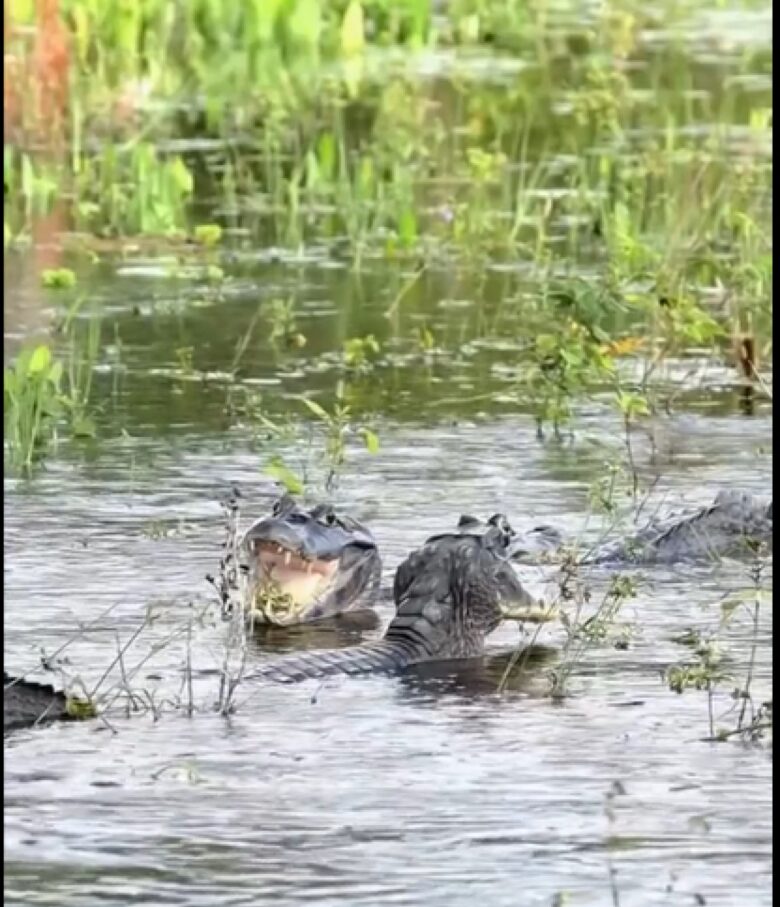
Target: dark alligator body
{"points": [[735, 525], [26, 703], [450, 594]]}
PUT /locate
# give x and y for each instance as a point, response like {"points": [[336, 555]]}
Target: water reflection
{"points": [[347, 629]]}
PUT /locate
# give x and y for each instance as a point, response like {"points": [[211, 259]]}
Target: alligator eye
{"points": [[277, 508], [330, 518]]}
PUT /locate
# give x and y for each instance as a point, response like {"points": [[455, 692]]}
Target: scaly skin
{"points": [[450, 594], [26, 703], [319, 536], [734, 525]]}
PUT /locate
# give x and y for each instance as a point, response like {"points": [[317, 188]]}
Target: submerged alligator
{"points": [[734, 525], [449, 594]]}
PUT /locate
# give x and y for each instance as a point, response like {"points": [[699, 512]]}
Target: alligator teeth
{"points": [[287, 558]]}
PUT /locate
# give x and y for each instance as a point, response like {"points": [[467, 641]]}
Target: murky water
{"points": [[427, 788], [377, 790]]}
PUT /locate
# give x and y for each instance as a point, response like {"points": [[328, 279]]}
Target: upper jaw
{"points": [[306, 537]]}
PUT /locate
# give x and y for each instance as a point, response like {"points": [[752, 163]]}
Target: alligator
{"points": [[734, 525], [450, 595], [26, 703], [307, 565]]}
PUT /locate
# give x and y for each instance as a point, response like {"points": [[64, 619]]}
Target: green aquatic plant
{"points": [[360, 352], [82, 350], [43, 391], [561, 367], [283, 321], [336, 427], [58, 278], [33, 405], [585, 632], [712, 669]]}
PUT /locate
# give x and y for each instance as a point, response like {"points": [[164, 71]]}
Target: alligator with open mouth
{"points": [[450, 594], [306, 565]]}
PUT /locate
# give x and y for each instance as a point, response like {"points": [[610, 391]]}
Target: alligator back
{"points": [[731, 527], [26, 703]]}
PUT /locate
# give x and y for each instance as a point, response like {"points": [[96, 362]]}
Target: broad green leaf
{"points": [[282, 473], [407, 228], [326, 154], [40, 360], [181, 176], [371, 440], [352, 29], [318, 410], [208, 234]]}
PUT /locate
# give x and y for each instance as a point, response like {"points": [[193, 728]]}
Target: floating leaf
{"points": [[80, 709], [83, 427]]}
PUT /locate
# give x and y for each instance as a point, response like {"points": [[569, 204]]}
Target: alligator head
{"points": [[535, 543], [305, 565], [473, 566]]}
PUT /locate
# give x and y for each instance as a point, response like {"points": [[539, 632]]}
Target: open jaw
{"points": [[287, 584]]}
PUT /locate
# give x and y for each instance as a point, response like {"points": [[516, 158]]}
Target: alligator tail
{"points": [[374, 658]]}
